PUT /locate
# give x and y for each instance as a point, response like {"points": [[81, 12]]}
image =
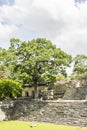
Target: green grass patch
{"points": [[20, 125]]}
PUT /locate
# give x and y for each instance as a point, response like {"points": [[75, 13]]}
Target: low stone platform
{"points": [[62, 112]]}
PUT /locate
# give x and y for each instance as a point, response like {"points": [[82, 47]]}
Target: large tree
{"points": [[38, 61], [80, 65]]}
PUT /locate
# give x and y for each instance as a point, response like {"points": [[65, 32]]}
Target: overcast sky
{"points": [[64, 22]]}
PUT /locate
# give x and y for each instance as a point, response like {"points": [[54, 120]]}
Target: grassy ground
{"points": [[19, 125]]}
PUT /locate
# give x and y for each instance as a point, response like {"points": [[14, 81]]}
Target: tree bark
{"points": [[35, 79], [36, 90]]}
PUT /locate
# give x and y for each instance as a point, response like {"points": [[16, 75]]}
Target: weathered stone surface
{"points": [[2, 115], [76, 90], [65, 112]]}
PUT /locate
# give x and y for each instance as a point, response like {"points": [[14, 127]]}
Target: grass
{"points": [[20, 125]]}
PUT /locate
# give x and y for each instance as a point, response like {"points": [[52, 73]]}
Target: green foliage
{"points": [[3, 68], [80, 66], [60, 77], [7, 63], [40, 57], [35, 62], [9, 89], [3, 72]]}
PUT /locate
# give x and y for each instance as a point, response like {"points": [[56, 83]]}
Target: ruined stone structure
{"points": [[60, 88], [29, 91], [71, 109], [66, 90], [76, 90], [66, 112]]}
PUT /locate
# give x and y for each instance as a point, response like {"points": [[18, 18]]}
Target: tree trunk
{"points": [[36, 90], [35, 79]]}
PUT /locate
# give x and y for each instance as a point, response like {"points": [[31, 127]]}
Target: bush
{"points": [[9, 89]]}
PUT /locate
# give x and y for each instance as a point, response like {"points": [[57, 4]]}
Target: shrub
{"points": [[9, 89]]}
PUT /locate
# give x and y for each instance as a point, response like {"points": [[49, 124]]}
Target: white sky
{"points": [[64, 22]]}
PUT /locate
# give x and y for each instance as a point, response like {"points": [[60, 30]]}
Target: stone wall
{"points": [[63, 112], [76, 90], [71, 90], [66, 90], [60, 88]]}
